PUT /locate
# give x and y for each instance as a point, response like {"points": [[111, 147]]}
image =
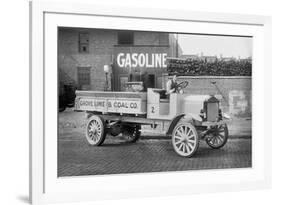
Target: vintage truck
{"points": [[186, 118]]}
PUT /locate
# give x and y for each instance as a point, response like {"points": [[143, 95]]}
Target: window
{"points": [[163, 39], [84, 77], [125, 38], [83, 43]]}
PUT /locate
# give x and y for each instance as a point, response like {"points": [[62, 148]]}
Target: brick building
{"points": [[130, 56], [138, 56]]}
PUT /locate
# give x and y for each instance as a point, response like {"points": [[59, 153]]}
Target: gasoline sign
{"points": [[148, 60]]}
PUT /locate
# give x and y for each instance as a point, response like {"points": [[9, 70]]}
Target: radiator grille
{"points": [[212, 111]]}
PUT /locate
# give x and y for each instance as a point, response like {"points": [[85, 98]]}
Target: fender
{"points": [[188, 118], [173, 123]]}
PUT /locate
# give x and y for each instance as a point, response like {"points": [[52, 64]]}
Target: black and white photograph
{"points": [[143, 101], [140, 102]]}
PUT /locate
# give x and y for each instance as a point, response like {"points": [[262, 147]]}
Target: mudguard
{"points": [[188, 118]]}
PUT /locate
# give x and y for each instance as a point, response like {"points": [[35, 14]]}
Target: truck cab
{"points": [[162, 106], [199, 107]]}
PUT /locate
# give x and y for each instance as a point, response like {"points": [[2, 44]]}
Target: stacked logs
{"points": [[191, 67]]}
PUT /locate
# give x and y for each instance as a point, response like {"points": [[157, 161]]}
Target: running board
{"points": [[153, 132]]}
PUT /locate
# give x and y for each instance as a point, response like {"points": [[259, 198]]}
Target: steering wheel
{"points": [[181, 86]]}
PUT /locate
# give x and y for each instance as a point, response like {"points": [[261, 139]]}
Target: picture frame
{"points": [[46, 187]]}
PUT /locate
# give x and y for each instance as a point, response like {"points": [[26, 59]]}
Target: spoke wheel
{"points": [[95, 131], [131, 134], [185, 139], [218, 137]]}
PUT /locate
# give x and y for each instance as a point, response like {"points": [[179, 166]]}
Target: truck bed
{"points": [[111, 102]]}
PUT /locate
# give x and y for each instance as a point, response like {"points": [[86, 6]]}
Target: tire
{"points": [[61, 109], [185, 139], [218, 138], [70, 104], [132, 134], [62, 104], [95, 130]]}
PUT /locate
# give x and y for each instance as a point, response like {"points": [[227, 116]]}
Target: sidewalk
{"points": [[240, 127]]}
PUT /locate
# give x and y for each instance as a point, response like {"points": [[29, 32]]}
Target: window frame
{"points": [[81, 44], [79, 68], [126, 44]]}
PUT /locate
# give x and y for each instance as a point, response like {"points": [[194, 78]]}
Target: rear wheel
{"points": [[185, 139], [218, 137], [95, 131]]}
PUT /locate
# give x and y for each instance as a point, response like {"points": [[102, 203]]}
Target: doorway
{"points": [[150, 81]]}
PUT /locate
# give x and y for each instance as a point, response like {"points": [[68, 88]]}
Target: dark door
{"points": [[150, 81]]}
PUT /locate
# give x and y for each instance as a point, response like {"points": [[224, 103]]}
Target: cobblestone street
{"points": [[150, 154], [76, 157]]}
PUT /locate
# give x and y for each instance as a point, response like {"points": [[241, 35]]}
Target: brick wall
{"points": [[100, 54], [236, 91], [101, 51]]}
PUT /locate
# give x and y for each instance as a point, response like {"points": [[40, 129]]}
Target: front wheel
{"points": [[217, 137], [95, 130], [185, 139]]}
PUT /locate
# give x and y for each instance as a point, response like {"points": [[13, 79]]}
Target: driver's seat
{"points": [[162, 93]]}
